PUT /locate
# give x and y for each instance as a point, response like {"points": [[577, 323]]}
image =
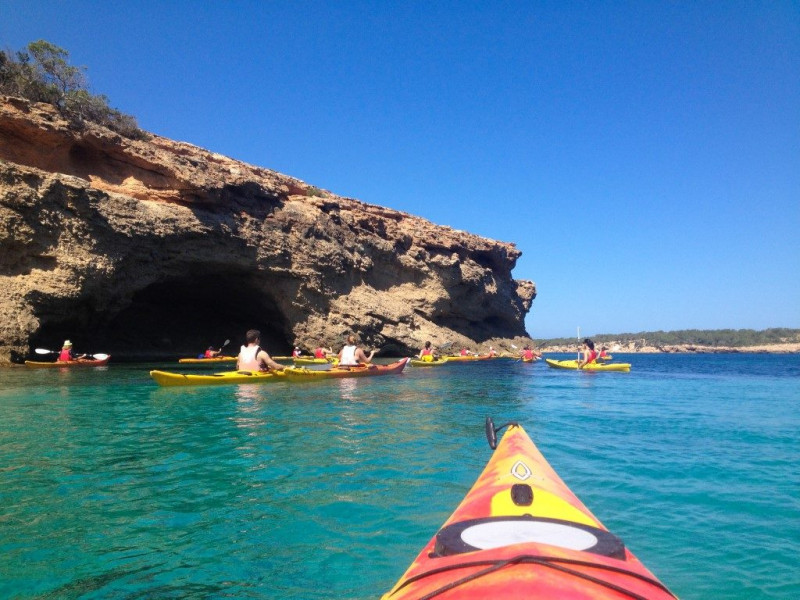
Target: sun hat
{"points": [[67, 344]]}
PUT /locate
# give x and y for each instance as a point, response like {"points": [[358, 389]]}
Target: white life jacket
{"points": [[348, 356]]}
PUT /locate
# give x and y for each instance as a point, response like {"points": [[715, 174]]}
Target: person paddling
{"points": [[528, 354], [252, 357], [211, 353], [322, 352], [351, 355], [66, 354], [426, 353], [589, 354]]}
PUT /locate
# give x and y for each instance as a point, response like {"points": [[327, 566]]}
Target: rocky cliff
{"points": [[161, 248]]}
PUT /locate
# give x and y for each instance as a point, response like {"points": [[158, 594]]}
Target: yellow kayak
{"points": [[415, 362], [573, 364], [179, 379], [200, 361], [468, 358]]}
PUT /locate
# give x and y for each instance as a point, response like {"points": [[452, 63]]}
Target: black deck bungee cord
{"points": [[545, 561]]}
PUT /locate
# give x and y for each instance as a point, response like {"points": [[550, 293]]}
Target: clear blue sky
{"points": [[643, 156]]}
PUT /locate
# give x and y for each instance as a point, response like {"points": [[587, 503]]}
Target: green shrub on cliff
{"points": [[315, 191], [43, 74]]}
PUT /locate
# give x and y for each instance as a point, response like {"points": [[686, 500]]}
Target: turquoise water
{"points": [[111, 487]]}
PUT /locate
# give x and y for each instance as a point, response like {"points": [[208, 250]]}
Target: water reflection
{"points": [[347, 388], [247, 393]]}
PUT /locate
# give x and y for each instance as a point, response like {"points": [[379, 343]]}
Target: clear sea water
{"points": [[111, 487]]}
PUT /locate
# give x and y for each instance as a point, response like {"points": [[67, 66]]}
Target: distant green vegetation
{"points": [[733, 338], [43, 74]]}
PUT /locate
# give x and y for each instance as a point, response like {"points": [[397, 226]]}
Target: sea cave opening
{"points": [[179, 317]]}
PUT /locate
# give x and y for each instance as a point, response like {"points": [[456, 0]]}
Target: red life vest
{"points": [[66, 355], [319, 353]]}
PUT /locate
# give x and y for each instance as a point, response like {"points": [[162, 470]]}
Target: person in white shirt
{"points": [[351, 355], [252, 357]]}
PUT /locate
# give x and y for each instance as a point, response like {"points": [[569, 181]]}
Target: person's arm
{"points": [[267, 360], [361, 357]]}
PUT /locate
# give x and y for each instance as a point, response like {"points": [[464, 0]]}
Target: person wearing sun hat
{"points": [[66, 352]]}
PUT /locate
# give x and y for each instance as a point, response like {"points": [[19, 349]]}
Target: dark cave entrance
{"points": [[176, 318]]}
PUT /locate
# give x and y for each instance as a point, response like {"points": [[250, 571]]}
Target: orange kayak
{"points": [[83, 362], [338, 371], [521, 533]]}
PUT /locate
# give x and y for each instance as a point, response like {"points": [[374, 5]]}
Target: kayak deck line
{"points": [[545, 561]]}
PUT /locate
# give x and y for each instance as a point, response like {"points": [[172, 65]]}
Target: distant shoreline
{"points": [[634, 348]]}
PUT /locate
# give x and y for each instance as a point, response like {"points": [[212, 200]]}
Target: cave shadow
{"points": [[177, 317]]}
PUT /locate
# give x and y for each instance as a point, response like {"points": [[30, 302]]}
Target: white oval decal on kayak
{"points": [[520, 470], [497, 534]]}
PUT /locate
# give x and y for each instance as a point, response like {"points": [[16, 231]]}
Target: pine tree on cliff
{"points": [[43, 74]]}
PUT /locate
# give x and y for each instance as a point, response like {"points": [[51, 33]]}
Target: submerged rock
{"points": [[160, 248]]}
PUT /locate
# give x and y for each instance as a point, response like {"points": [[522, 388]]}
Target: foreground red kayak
{"points": [[521, 533]]}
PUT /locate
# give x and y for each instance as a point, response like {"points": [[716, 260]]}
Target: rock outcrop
{"points": [[160, 248]]}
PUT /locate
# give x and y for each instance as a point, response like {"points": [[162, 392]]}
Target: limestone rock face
{"points": [[160, 248]]}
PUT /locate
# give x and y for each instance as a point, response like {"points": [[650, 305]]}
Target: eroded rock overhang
{"points": [[160, 248]]}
